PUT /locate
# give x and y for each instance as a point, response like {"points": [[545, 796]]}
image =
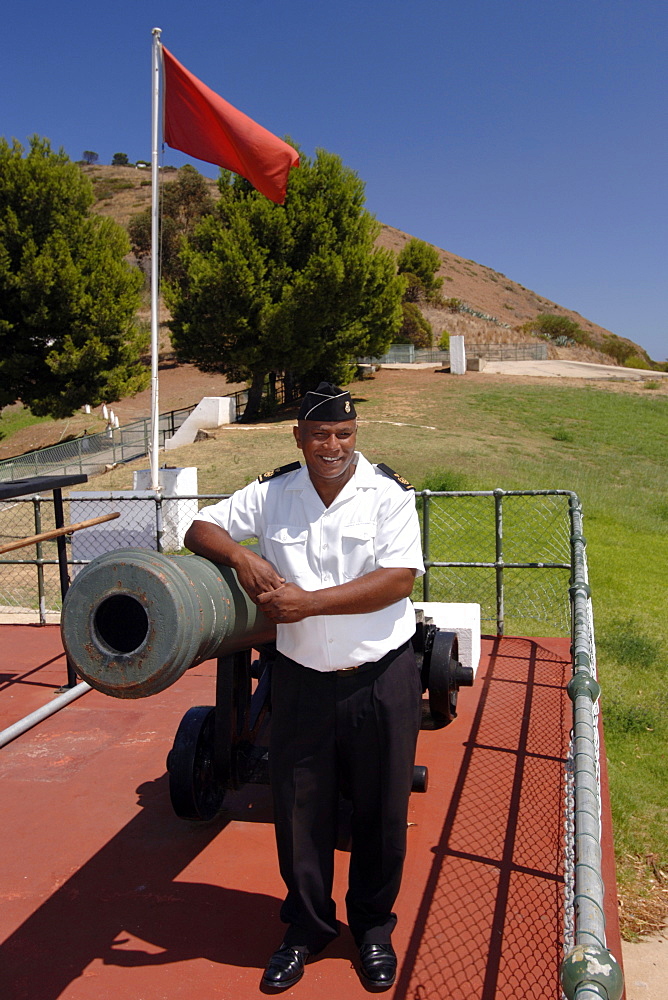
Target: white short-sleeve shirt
{"points": [[372, 523]]}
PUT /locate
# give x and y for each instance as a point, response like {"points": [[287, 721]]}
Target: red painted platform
{"points": [[106, 894]]}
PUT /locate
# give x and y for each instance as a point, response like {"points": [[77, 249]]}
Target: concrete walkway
{"points": [[570, 369]]}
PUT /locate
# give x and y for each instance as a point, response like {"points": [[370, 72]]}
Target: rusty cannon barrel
{"points": [[134, 620]]}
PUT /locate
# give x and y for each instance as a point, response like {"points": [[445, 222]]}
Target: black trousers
{"points": [[354, 731]]}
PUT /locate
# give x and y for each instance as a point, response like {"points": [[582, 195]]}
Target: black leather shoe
{"points": [[286, 967], [379, 965]]}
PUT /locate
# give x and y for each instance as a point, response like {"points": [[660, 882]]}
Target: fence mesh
{"points": [[458, 528], [525, 540], [409, 354], [93, 452]]}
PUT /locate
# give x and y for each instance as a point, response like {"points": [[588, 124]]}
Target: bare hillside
{"points": [[124, 191], [507, 303]]}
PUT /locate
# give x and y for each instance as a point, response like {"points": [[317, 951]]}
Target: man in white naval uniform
{"points": [[341, 545]]}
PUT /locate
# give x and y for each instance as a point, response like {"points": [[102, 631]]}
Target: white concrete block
{"points": [[177, 514], [464, 619], [210, 412], [457, 355]]}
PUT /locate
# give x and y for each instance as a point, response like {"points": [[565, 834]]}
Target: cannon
{"points": [[134, 621]]}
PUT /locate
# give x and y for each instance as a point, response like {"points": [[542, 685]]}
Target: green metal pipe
{"points": [[498, 520]]}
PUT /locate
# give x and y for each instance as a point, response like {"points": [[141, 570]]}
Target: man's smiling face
{"points": [[329, 449]]}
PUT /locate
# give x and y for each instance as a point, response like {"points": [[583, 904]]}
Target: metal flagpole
{"points": [[155, 256]]}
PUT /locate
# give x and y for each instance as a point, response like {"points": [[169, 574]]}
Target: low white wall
{"points": [[210, 412]]}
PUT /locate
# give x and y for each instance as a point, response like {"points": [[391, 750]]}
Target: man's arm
{"points": [[256, 575], [372, 592]]}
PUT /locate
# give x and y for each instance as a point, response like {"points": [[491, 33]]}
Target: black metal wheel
{"points": [[443, 688], [420, 778], [443, 675], [194, 787]]}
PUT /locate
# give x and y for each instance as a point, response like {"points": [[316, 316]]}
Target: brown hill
{"points": [[122, 192]]}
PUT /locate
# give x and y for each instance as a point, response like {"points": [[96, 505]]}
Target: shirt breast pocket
{"points": [[287, 545], [358, 549]]}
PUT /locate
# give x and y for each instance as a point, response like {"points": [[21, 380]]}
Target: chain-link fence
{"points": [[409, 354], [92, 453], [507, 551]]}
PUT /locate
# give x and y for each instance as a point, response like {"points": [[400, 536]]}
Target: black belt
{"points": [[382, 662]]}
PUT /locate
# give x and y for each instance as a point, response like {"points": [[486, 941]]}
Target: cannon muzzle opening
{"points": [[120, 623], [134, 620]]}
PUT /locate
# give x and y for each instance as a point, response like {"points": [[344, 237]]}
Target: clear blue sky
{"points": [[528, 135]]}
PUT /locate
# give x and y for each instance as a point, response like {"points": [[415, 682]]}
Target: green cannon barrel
{"points": [[134, 621]]}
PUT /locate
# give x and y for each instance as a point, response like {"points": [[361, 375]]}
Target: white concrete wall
{"points": [[210, 412]]}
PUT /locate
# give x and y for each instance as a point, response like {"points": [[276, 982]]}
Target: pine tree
{"points": [[68, 297], [296, 288]]}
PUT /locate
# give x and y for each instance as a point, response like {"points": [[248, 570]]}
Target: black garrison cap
{"points": [[327, 403]]}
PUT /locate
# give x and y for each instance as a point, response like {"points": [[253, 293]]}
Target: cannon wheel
{"points": [[194, 788], [443, 686]]}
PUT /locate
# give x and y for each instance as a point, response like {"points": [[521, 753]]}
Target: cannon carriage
{"points": [[135, 620]]}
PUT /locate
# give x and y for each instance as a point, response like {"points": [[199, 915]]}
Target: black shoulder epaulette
{"points": [[273, 473], [405, 485]]}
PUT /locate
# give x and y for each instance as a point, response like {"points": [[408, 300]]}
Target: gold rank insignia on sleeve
{"points": [[281, 471], [405, 485]]}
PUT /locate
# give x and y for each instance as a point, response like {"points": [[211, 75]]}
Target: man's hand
{"points": [[287, 603], [377, 589], [256, 575]]}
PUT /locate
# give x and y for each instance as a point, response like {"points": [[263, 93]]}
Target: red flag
{"points": [[202, 124]]}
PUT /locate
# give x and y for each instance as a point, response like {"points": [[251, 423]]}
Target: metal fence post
{"points": [[498, 519], [426, 512], [159, 522], [37, 505]]}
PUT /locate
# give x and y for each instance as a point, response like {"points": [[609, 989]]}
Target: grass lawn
{"points": [[13, 418]]}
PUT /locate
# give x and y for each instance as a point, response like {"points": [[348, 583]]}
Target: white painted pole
{"points": [[23, 725], [155, 255]]}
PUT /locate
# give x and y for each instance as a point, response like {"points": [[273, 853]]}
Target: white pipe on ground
{"points": [[23, 725]]}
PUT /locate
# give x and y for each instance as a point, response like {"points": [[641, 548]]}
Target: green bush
{"points": [[453, 304], [635, 361], [617, 348], [444, 341], [444, 481], [560, 329]]}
